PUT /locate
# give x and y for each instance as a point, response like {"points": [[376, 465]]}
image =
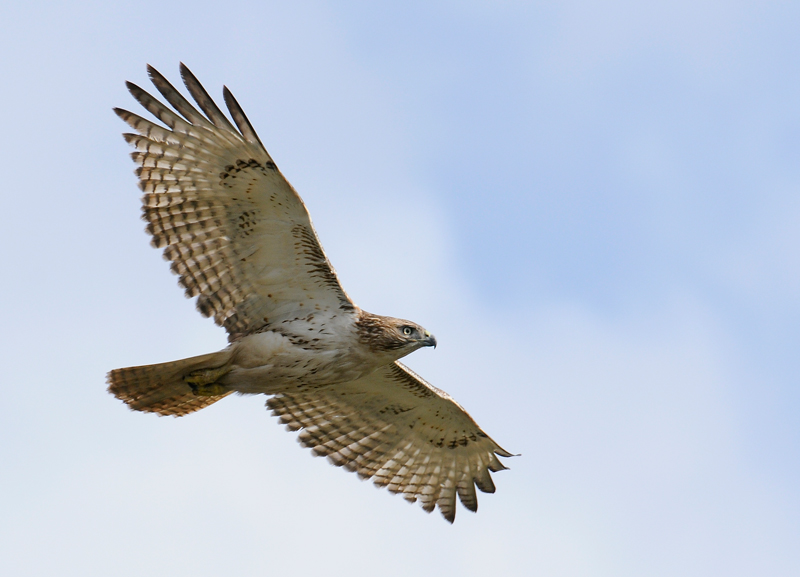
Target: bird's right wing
{"points": [[400, 431], [236, 232]]}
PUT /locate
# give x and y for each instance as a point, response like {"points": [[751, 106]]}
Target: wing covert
{"points": [[400, 431], [235, 231]]}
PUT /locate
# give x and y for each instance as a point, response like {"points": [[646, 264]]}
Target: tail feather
{"points": [[161, 388]]}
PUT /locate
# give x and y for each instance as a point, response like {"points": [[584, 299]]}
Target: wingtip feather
{"points": [[240, 118], [152, 72], [204, 100]]}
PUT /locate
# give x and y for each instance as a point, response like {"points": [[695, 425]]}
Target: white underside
{"points": [[270, 362]]}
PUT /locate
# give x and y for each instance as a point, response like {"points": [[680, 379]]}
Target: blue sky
{"points": [[595, 206]]}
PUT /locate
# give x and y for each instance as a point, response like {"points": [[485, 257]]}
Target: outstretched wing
{"points": [[400, 431], [236, 232]]}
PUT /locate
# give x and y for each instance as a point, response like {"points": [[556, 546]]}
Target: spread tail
{"points": [[164, 388]]}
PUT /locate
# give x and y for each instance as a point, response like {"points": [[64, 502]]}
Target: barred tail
{"points": [[162, 389]]}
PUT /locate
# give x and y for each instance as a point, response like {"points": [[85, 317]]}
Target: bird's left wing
{"points": [[400, 431], [238, 235]]}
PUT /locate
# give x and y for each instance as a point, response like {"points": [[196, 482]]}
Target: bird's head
{"points": [[397, 337]]}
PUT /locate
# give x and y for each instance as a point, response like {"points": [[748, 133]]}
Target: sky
{"points": [[594, 206]]}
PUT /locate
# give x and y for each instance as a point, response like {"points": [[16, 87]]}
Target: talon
{"points": [[203, 382], [210, 390], [206, 376]]}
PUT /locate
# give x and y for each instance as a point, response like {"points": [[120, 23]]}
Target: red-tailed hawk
{"points": [[241, 240]]}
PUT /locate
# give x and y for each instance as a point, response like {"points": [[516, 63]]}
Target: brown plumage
{"points": [[240, 240], [161, 388]]}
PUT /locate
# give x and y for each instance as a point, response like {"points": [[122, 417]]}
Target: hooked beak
{"points": [[429, 340]]}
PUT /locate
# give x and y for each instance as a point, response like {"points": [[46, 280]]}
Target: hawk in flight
{"points": [[241, 240]]}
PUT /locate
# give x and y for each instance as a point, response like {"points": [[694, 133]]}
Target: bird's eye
{"points": [[407, 331]]}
